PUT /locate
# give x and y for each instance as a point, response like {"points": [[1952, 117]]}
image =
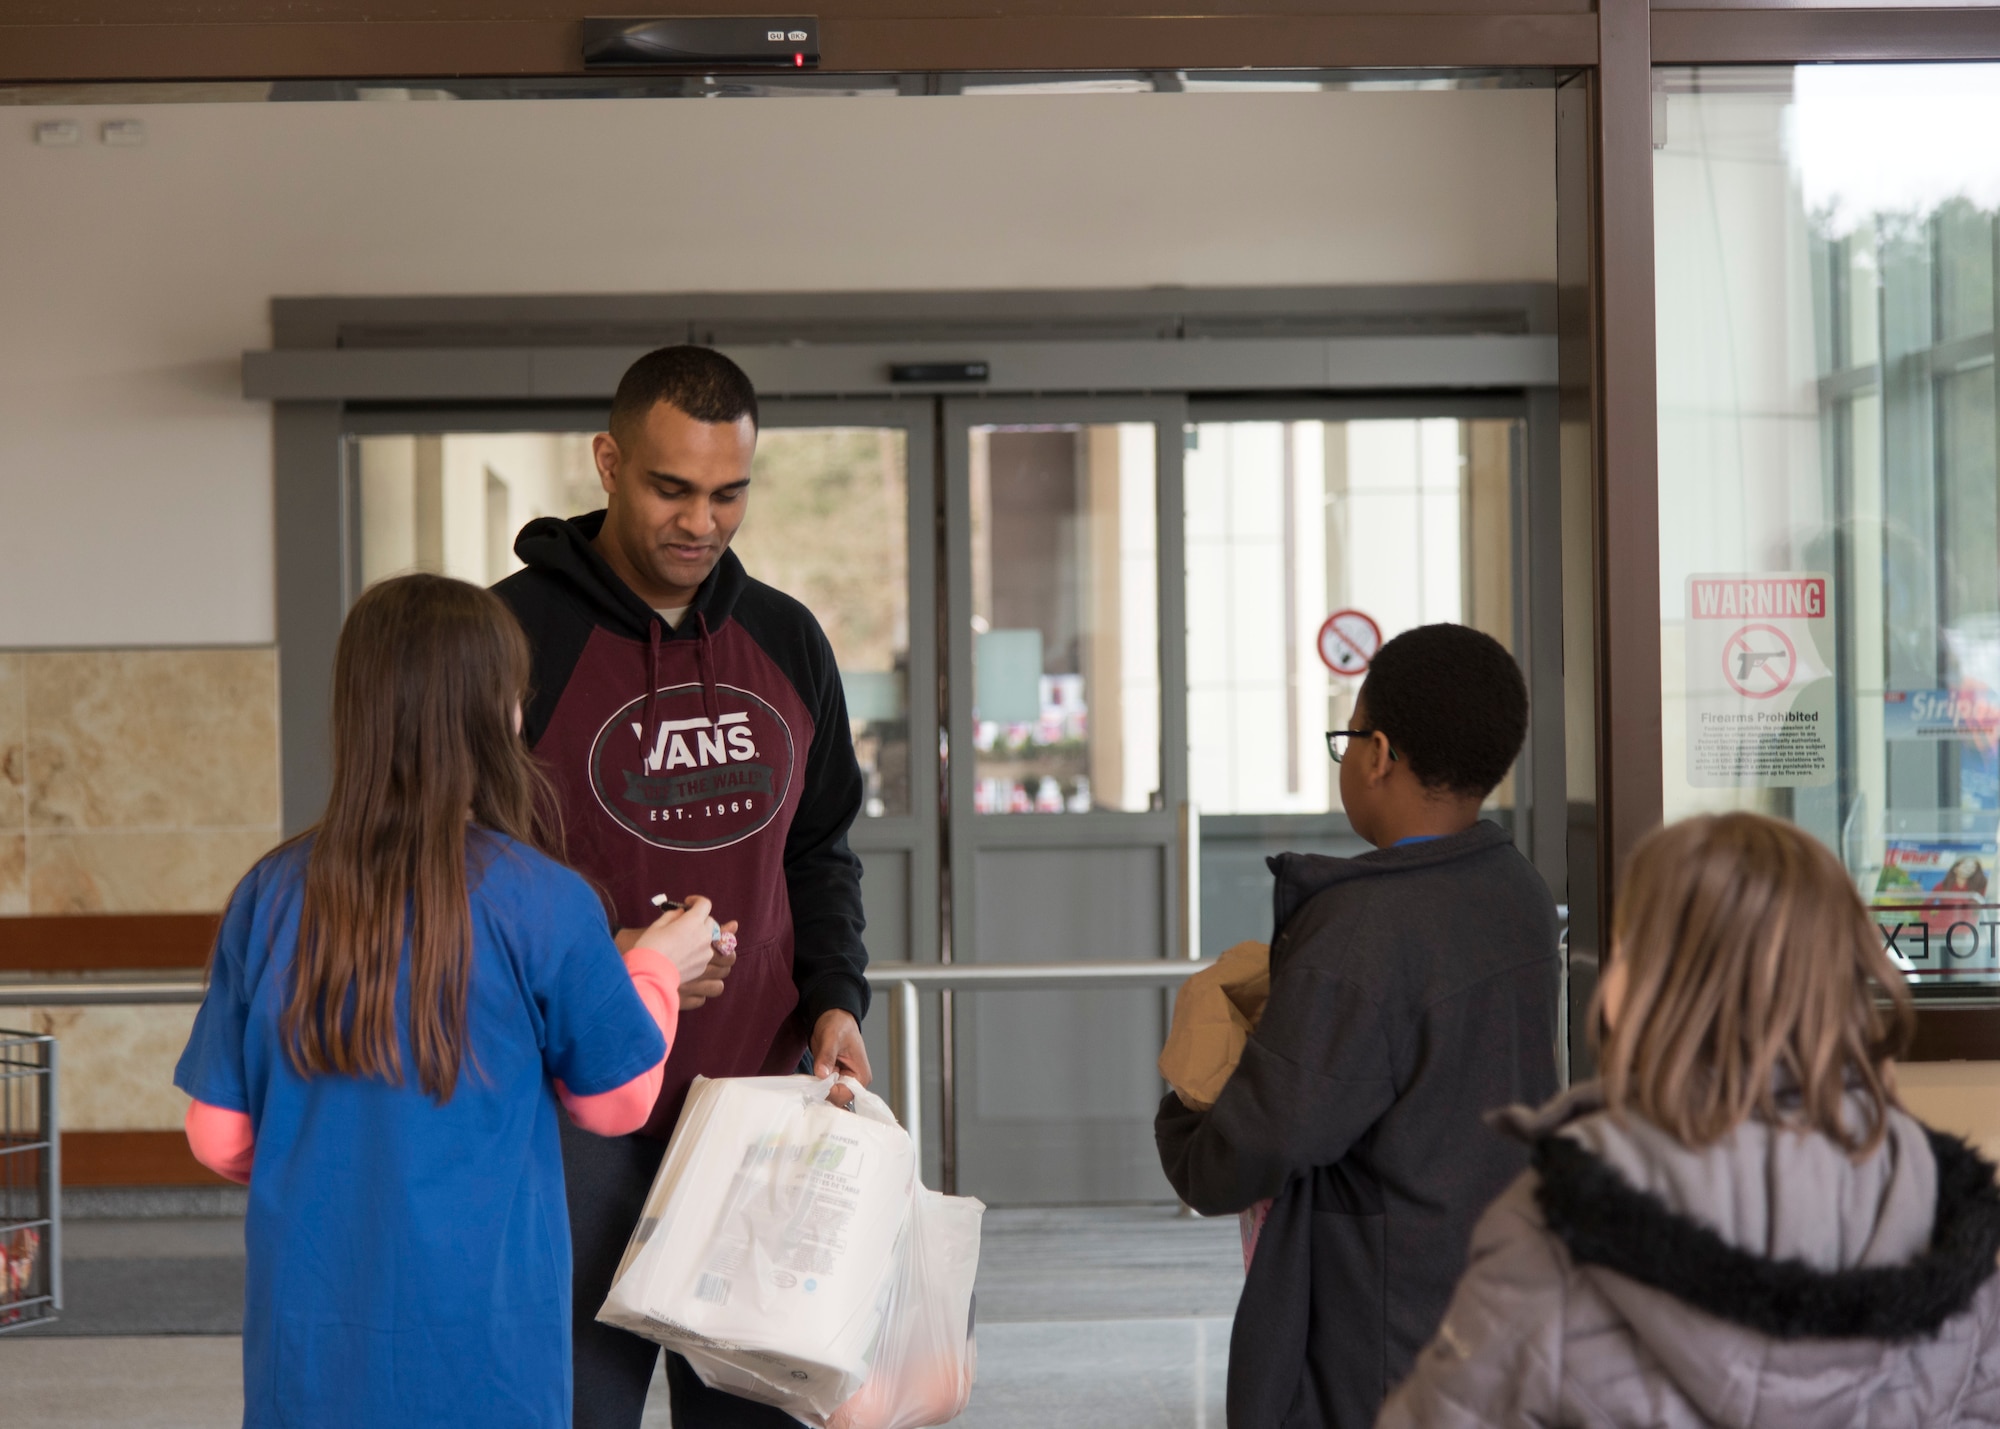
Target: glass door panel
{"points": [[451, 502], [1065, 618], [1064, 813], [829, 523], [1408, 519]]}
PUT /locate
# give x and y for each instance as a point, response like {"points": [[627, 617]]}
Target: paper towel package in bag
{"points": [[925, 1365], [769, 1245]]}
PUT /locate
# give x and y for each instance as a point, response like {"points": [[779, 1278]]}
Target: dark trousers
{"points": [[607, 1179]]}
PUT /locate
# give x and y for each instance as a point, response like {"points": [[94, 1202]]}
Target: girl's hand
{"points": [[682, 936]]}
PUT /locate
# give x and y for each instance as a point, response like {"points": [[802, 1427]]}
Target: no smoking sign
{"points": [[1348, 641]]}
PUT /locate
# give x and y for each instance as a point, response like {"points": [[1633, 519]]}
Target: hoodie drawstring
{"points": [[653, 680], [711, 698]]}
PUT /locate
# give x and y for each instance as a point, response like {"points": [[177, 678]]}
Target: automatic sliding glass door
{"points": [[1131, 601], [1067, 778]]}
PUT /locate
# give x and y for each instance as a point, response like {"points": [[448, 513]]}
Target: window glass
{"points": [[1829, 499], [1065, 618], [828, 523], [1406, 521]]}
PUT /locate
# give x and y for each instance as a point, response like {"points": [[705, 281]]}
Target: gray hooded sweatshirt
{"points": [[1768, 1280]]}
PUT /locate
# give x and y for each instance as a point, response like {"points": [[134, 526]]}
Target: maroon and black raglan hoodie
{"points": [[712, 758]]}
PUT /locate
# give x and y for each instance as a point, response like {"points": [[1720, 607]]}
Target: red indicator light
{"points": [[799, 61]]}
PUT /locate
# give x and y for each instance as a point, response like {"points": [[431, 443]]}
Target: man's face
{"points": [[678, 490]]}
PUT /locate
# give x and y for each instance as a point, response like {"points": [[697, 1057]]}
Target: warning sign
{"points": [[1760, 699], [1348, 642]]}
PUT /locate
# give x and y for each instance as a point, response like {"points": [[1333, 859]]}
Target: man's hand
{"points": [[839, 1052], [699, 990], [709, 984]]}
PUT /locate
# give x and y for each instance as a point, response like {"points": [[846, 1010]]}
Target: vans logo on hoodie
{"points": [[681, 777]]}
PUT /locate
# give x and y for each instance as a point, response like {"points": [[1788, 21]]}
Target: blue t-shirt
{"points": [[409, 1262]]}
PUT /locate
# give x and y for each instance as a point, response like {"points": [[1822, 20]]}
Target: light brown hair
{"points": [[427, 677], [1753, 986]]}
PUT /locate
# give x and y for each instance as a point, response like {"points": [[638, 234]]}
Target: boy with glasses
{"points": [[1412, 989]]}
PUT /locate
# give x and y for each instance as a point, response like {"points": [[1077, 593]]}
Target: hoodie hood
{"points": [[1301, 877], [564, 549], [1755, 1253]]}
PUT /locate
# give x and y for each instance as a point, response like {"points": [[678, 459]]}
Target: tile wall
{"points": [[131, 781]]}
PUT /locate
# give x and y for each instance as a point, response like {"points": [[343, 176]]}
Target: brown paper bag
{"points": [[1213, 1014]]}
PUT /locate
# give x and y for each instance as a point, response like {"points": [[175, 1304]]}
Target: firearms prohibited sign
{"points": [[1758, 662], [1760, 706]]}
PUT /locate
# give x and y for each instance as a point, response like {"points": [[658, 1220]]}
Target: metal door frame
{"points": [[967, 834]]}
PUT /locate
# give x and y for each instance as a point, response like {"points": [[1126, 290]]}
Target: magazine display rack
{"points": [[1932, 878], [30, 1182]]}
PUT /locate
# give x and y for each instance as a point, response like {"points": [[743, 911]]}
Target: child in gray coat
{"points": [[1738, 1225]]}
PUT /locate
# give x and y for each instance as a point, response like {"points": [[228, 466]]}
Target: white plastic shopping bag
{"points": [[768, 1248], [924, 1367]]}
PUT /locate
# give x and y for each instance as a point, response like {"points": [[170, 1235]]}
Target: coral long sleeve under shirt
{"points": [[623, 1110], [225, 1142]]}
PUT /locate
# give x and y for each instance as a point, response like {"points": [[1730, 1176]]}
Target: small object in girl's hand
{"points": [[722, 942]]}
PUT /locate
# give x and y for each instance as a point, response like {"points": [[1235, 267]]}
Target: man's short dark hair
{"points": [[1453, 704], [696, 380]]}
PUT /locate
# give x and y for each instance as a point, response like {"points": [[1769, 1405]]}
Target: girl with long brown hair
{"points": [[1738, 1224], [398, 1001]]}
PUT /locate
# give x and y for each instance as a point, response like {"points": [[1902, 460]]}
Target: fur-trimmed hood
{"points": [[1765, 1282], [1777, 1234]]}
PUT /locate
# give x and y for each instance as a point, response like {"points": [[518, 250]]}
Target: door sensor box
{"points": [[701, 42]]}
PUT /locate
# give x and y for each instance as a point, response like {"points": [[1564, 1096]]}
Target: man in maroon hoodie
{"points": [[693, 722]]}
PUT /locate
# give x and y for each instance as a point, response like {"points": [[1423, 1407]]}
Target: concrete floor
{"points": [[1111, 1318]]}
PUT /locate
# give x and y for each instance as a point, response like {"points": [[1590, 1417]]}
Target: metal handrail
{"points": [[1028, 977], [71, 990], [124, 990], [901, 981]]}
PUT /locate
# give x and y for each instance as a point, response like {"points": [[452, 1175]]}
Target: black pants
{"points": [[607, 1179]]}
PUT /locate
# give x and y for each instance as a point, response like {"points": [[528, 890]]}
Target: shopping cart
{"points": [[30, 1182]]}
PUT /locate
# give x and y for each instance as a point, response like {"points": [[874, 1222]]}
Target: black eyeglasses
{"points": [[1336, 741]]}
